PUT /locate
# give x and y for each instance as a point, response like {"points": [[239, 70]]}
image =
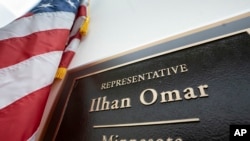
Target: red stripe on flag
{"points": [[82, 11], [67, 57], [34, 44], [77, 35], [21, 119]]}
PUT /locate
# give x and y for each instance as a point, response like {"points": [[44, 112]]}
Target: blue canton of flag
{"points": [[56, 5]]}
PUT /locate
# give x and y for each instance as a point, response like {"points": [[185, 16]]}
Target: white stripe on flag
{"points": [[73, 45], [23, 78], [37, 22], [78, 23]]}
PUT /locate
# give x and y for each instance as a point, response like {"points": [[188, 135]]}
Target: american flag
{"points": [[31, 49]]}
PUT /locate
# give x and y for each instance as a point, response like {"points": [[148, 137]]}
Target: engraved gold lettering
{"points": [[168, 71], [155, 75], [173, 95], [183, 68], [150, 91], [103, 86], [169, 94], [92, 105], [117, 138], [189, 93], [202, 90], [98, 104], [129, 80], [105, 104], [114, 104], [125, 103], [141, 77], [161, 71], [102, 104], [118, 83], [123, 81], [145, 76], [175, 69], [111, 138], [148, 75], [134, 79]]}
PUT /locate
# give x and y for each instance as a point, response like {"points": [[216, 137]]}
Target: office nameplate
{"points": [[193, 94]]}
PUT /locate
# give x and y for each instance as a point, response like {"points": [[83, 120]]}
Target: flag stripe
{"points": [[67, 57], [23, 48], [82, 11], [22, 117], [80, 18], [78, 23], [30, 51], [21, 79], [73, 44], [36, 23]]}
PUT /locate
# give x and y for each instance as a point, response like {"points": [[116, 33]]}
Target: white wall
{"points": [[12, 9], [117, 26]]}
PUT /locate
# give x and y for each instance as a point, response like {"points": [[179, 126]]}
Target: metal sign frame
{"points": [[187, 40]]}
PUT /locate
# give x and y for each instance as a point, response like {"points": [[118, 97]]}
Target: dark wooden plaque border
{"points": [[219, 30]]}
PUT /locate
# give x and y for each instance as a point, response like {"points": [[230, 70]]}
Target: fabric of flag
{"points": [[79, 30], [31, 48]]}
